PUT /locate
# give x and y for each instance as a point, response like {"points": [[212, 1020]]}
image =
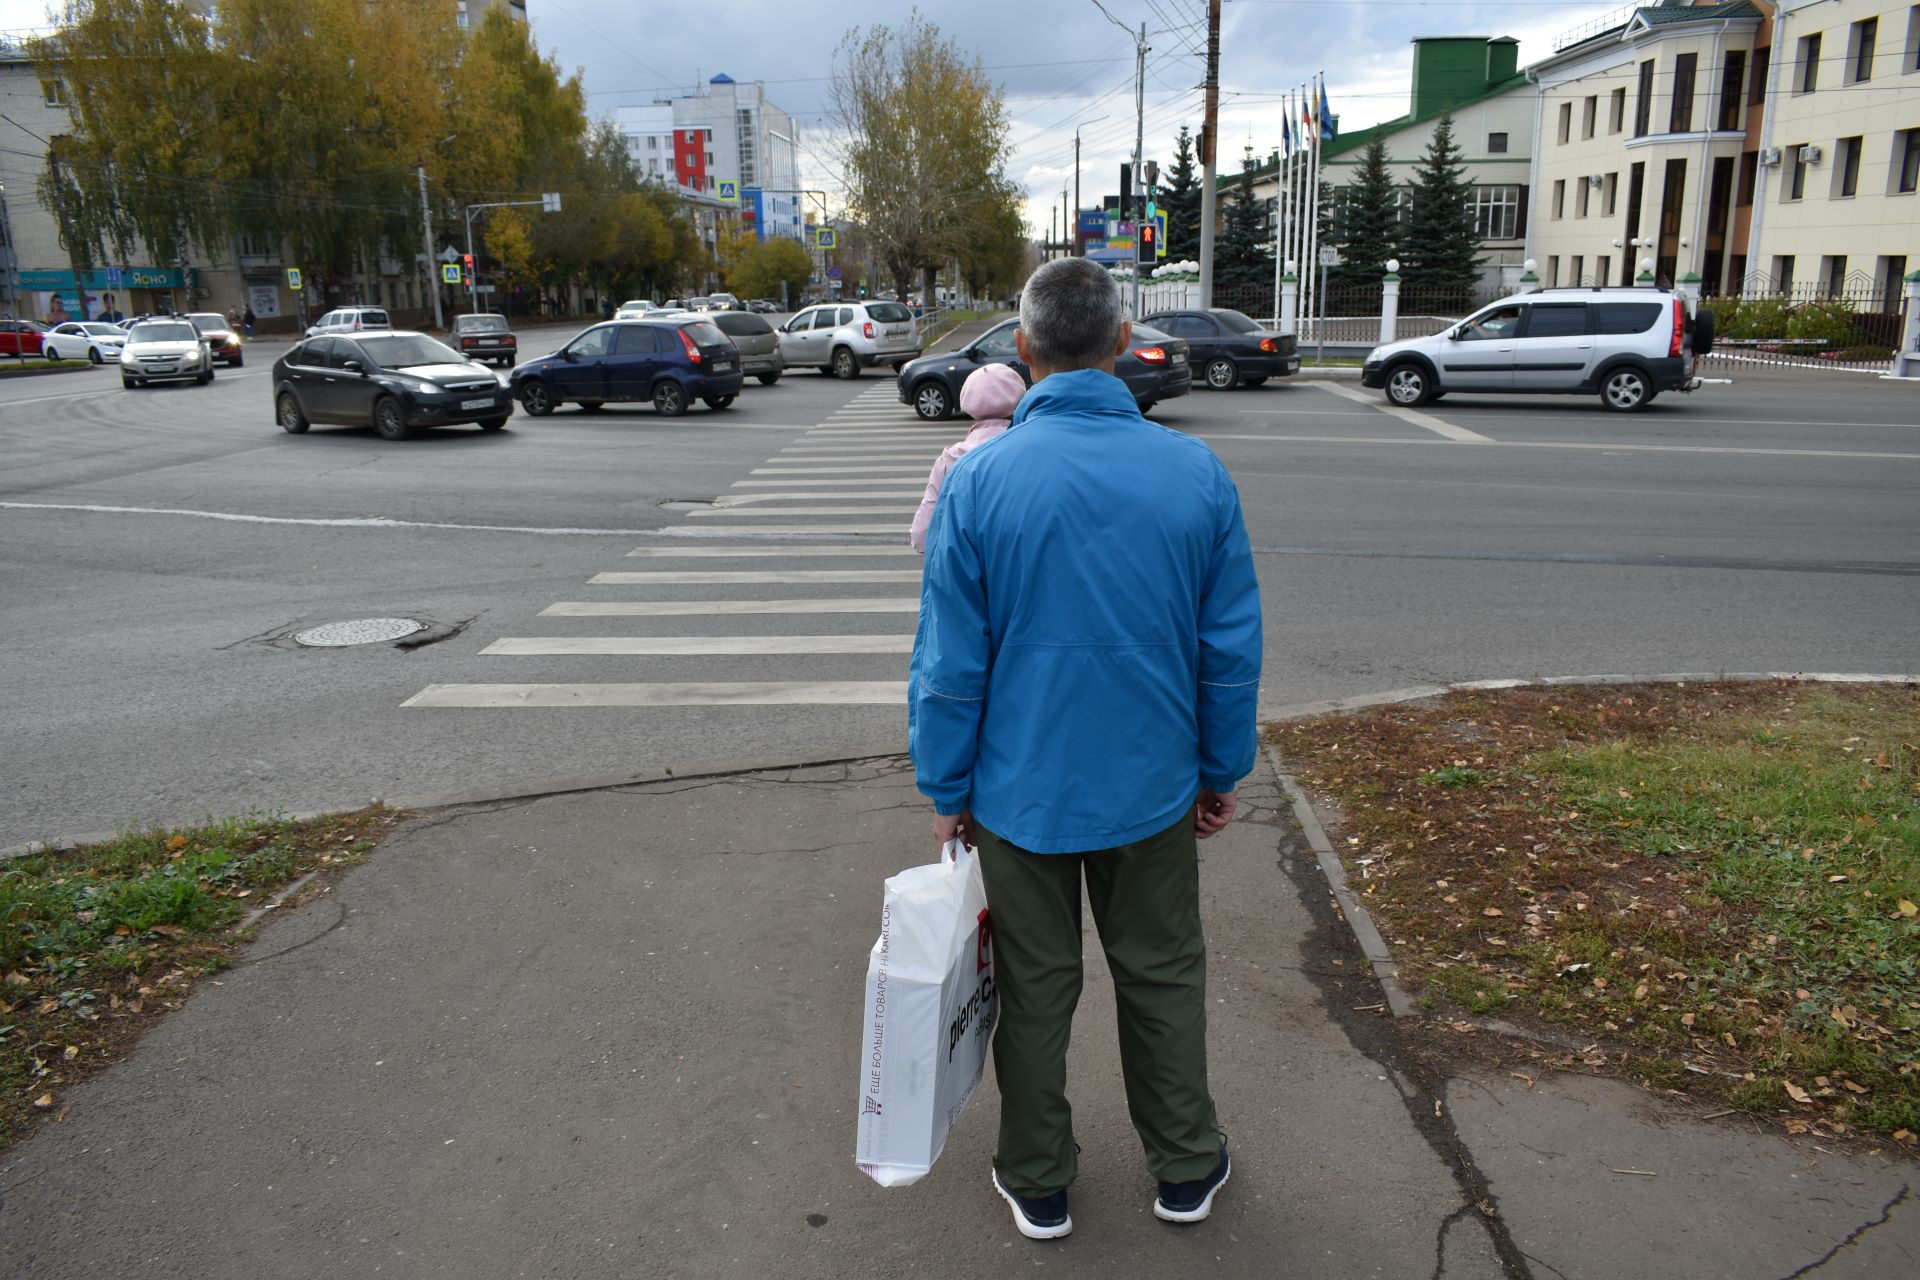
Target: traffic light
{"points": [[466, 260], [1146, 246]]}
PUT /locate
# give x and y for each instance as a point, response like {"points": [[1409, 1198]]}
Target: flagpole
{"points": [[1293, 206], [1279, 215], [1314, 217]]}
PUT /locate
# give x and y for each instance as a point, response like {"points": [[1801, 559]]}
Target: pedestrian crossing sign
{"points": [[293, 279], [450, 272], [728, 193], [823, 237]]}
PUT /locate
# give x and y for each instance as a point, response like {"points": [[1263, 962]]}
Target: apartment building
{"points": [[727, 137], [1751, 146]]}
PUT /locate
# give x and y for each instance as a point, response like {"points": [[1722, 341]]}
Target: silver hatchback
{"points": [[842, 338]]}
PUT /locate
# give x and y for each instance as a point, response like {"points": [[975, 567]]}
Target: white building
{"points": [[726, 138]]}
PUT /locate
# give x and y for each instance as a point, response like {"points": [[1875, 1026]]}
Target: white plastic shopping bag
{"points": [[930, 1010]]}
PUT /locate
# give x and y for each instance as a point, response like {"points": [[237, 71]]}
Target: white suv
{"points": [[842, 338], [349, 320], [1625, 344]]}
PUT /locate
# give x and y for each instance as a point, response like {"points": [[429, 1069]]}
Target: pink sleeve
{"points": [[924, 516]]}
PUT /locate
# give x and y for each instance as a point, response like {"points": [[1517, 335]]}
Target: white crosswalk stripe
{"points": [[867, 459]]}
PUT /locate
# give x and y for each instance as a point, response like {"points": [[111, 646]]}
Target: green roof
{"points": [[1663, 14]]}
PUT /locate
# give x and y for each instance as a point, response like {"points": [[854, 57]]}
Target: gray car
{"points": [[759, 345], [165, 351], [842, 338]]}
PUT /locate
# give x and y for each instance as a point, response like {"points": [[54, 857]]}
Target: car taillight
{"points": [[867, 328], [1679, 326], [467, 342], [1152, 355], [1269, 344], [693, 352]]}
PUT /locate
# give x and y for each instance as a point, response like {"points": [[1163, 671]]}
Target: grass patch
{"points": [[95, 941], [1718, 881], [9, 368]]}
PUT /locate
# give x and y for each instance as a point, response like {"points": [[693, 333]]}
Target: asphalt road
{"points": [[157, 548]]}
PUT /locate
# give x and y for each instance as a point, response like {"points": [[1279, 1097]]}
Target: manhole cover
{"points": [[335, 635]]}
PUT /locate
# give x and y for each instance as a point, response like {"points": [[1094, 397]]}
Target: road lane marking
{"points": [[742, 513], [783, 484], [1425, 421], [690, 646], [690, 553], [324, 522], [793, 693], [896, 470], [873, 450], [741, 499], [769, 530], [702, 608], [722, 577], [1739, 450]]}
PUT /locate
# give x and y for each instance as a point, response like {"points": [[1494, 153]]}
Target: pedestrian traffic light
{"points": [[1146, 245], [466, 260]]}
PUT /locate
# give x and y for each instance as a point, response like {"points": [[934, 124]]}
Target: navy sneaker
{"points": [[1042, 1219], [1192, 1201]]}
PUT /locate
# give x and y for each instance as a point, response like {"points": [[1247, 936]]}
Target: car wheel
{"points": [[48, 353], [768, 379], [206, 375], [1408, 384], [1223, 374], [592, 406], [844, 364], [1146, 406], [492, 424], [718, 402], [932, 402], [129, 383], [669, 398], [93, 355], [536, 398], [238, 361], [1626, 390], [292, 421], [389, 421]]}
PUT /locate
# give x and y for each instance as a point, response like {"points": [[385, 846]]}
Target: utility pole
{"points": [[1076, 193], [1208, 129], [426, 248], [1066, 227], [1139, 141]]}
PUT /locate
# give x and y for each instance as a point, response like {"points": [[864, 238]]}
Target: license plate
{"points": [[476, 404], [723, 366]]}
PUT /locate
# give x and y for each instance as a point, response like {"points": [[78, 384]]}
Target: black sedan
{"points": [[1231, 349], [1155, 367], [393, 380]]}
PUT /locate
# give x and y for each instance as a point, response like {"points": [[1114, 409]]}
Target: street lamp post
{"points": [[7, 260], [549, 202]]}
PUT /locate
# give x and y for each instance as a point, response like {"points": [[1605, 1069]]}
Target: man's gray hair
{"points": [[1071, 313]]}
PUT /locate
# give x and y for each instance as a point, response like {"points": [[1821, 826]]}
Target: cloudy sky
{"points": [[1060, 63]]}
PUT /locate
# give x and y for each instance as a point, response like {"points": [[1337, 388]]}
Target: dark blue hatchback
{"points": [[670, 362]]}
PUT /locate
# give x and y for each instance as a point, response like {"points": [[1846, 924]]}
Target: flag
{"points": [[1306, 120], [1326, 114], [1286, 134]]}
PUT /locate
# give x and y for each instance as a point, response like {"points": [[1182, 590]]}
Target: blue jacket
{"points": [[1088, 653]]}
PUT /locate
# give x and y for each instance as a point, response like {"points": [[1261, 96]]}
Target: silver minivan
{"points": [[842, 338], [759, 344]]}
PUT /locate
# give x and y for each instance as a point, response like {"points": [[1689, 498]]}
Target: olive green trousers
{"points": [[1146, 905]]}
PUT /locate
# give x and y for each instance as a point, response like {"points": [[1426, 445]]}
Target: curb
{"points": [[77, 366], [1365, 932]]}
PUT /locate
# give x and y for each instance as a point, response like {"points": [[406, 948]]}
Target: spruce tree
{"points": [[1369, 228], [1442, 252], [1240, 255], [1180, 198]]}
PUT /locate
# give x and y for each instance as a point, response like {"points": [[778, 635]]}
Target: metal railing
{"points": [[1809, 328]]}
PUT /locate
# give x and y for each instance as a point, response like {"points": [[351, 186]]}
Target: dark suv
{"points": [[670, 362], [1155, 367], [1230, 349]]}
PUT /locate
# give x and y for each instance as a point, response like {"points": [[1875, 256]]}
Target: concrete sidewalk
{"points": [[616, 1034]]}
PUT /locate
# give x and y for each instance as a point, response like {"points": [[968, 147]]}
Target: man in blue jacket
{"points": [[1082, 702]]}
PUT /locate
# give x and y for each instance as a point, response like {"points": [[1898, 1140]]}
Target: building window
{"points": [[1617, 110], [1566, 121], [1846, 169], [54, 92], [1860, 55], [653, 142], [1576, 274], [1553, 270], [1686, 69], [1757, 84], [1606, 270], [1833, 268], [1583, 186], [1808, 68], [1749, 175], [1911, 60], [255, 246], [1496, 212], [1797, 173], [1906, 160], [1730, 77], [1589, 114], [1783, 272], [1496, 144], [1559, 197], [1893, 271], [1643, 101], [1609, 194]]}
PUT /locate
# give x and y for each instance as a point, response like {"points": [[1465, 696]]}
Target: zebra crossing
{"points": [[744, 562]]}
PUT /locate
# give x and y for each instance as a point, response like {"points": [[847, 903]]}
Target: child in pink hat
{"points": [[989, 396]]}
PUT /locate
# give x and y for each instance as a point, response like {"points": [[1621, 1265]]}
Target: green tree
{"points": [[1240, 254], [1180, 198], [765, 265], [993, 258], [1368, 230], [1442, 252], [926, 143]]}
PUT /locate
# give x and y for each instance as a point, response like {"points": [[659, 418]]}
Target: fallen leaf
{"points": [[1493, 911], [44, 1101], [1795, 1092], [1686, 1019], [1908, 909], [1640, 992], [177, 842], [71, 1052]]}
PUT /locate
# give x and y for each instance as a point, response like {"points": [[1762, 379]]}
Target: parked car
{"points": [[165, 351], [635, 308], [1155, 367], [1230, 349], [759, 345], [350, 320], [484, 337], [21, 337], [843, 338], [724, 302], [764, 307], [670, 362], [101, 341], [394, 381], [220, 336], [1626, 344]]}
